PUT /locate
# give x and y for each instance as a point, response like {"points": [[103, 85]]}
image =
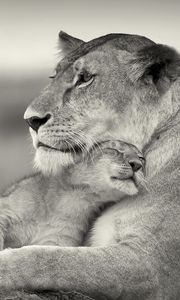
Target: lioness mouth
{"points": [[65, 148]]}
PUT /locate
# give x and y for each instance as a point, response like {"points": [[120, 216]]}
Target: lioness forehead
{"points": [[121, 41]]}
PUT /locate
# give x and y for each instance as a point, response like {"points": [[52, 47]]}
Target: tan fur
{"points": [[133, 97]]}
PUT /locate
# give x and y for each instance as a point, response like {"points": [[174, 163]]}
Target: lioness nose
{"points": [[35, 119], [36, 122], [135, 164]]}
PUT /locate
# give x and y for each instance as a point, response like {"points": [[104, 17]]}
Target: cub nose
{"points": [[135, 164]]}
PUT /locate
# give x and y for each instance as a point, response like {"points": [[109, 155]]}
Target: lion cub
{"points": [[59, 211]]}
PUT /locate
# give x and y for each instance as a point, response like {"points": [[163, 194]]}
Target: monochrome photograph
{"points": [[89, 150]]}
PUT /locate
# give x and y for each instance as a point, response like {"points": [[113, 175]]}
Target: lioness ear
{"points": [[158, 65], [68, 43]]}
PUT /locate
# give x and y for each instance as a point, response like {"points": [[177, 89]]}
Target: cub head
{"points": [[114, 166], [114, 87]]}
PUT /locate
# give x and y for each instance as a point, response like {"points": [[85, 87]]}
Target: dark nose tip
{"points": [[135, 164], [36, 122]]}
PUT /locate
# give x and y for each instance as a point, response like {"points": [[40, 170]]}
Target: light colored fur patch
{"points": [[54, 161]]}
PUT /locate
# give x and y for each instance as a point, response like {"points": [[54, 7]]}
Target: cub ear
{"points": [[158, 65], [68, 43]]}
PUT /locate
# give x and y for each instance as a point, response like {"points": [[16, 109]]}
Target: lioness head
{"points": [[117, 86]]}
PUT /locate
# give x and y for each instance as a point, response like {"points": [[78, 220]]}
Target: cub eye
{"points": [[84, 79]]}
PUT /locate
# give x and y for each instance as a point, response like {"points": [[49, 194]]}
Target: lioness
{"points": [[114, 87], [61, 214]]}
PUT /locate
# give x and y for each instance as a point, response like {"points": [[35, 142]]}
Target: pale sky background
{"points": [[29, 28]]}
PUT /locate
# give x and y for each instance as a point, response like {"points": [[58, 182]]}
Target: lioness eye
{"points": [[142, 159], [86, 76], [84, 79]]}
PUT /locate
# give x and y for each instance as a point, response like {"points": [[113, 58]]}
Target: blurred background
{"points": [[28, 55]]}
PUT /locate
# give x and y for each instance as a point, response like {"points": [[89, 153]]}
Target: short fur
{"points": [[59, 212], [118, 104]]}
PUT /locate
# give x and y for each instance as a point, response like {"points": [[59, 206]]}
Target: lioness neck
{"points": [[163, 150]]}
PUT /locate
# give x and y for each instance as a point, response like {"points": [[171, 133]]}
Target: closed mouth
{"points": [[65, 149], [118, 178], [131, 178]]}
